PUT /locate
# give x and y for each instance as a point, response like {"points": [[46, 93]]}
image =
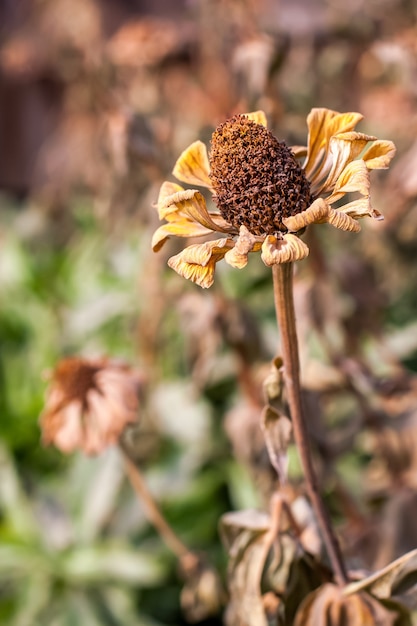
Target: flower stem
{"points": [[284, 307], [154, 514]]}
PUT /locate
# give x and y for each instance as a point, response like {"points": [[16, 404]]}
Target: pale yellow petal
{"points": [[343, 149], [197, 262], [361, 208], [341, 220], [324, 124], [246, 242], [191, 204], [193, 165], [180, 228], [258, 117], [167, 189], [317, 213], [379, 154], [283, 250], [354, 178]]}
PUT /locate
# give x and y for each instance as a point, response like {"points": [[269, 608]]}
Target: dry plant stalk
{"points": [[265, 200], [284, 305]]}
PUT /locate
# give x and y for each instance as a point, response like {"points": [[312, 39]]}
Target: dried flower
{"points": [[265, 198], [89, 403]]}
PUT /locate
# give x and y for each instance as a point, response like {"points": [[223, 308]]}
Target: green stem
{"points": [[284, 307]]}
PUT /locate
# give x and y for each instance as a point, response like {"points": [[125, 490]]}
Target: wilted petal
{"points": [[93, 441], [354, 178], [361, 208], [283, 250], [258, 117], [167, 189], [197, 262], [181, 228], [324, 124], [109, 416], [193, 165], [69, 434], [192, 205], [317, 213], [344, 148], [124, 386], [54, 401], [105, 422], [341, 220], [246, 242], [379, 154]]}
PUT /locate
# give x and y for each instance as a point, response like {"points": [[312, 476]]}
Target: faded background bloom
{"points": [[89, 404], [97, 100]]}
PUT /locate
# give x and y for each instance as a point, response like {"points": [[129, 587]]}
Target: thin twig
{"points": [[154, 514], [284, 307]]}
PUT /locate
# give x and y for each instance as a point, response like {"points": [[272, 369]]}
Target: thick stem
{"points": [[284, 307], [153, 513]]}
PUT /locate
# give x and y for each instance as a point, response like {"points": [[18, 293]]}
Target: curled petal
{"points": [[65, 430], [258, 117], [167, 189], [193, 166], [343, 221], [344, 148], [299, 151], [182, 227], [361, 208], [355, 177], [246, 242], [197, 262], [379, 154], [192, 205], [283, 250], [322, 125], [317, 213]]}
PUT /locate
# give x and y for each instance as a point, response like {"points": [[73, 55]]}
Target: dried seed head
{"points": [[256, 179]]}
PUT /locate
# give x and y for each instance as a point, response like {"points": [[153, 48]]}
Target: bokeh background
{"points": [[97, 99]]}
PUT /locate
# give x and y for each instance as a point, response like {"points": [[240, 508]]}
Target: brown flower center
{"points": [[75, 377], [256, 179]]}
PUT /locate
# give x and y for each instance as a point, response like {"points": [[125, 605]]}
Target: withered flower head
{"points": [[264, 197], [89, 403], [256, 179]]}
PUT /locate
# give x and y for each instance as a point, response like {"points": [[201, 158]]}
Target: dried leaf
{"points": [[331, 606], [388, 580], [277, 429], [247, 557]]}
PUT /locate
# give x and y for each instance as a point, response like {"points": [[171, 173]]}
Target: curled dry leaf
{"points": [[276, 426], [245, 535], [269, 573], [330, 605], [277, 429], [397, 581]]}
